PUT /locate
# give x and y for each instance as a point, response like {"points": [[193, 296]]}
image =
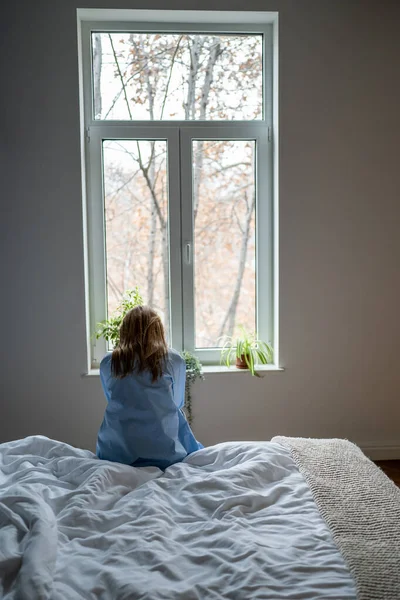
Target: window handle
{"points": [[188, 252]]}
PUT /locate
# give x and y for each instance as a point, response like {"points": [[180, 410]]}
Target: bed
{"points": [[291, 518]]}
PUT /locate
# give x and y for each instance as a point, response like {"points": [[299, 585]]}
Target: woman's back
{"points": [[143, 423]]}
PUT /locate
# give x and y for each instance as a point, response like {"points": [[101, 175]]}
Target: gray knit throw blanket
{"points": [[361, 507]]}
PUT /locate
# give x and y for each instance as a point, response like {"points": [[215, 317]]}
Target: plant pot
{"points": [[241, 363]]}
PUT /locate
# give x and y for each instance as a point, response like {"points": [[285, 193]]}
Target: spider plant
{"points": [[248, 351]]}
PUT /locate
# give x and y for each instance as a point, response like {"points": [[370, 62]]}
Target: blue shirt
{"points": [[143, 423]]}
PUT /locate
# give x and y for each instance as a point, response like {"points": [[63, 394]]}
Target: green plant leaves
{"points": [[248, 347], [194, 370], [109, 328]]}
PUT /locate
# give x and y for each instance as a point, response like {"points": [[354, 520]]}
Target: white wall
{"points": [[339, 239]]}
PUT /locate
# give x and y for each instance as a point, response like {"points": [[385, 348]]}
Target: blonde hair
{"points": [[142, 345]]}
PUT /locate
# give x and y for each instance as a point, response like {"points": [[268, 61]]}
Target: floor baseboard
{"points": [[381, 452]]}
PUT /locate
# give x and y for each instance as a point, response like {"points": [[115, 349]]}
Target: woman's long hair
{"points": [[142, 345]]}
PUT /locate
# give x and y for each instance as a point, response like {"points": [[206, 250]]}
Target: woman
{"points": [[144, 383]]}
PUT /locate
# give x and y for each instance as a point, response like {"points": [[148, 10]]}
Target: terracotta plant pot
{"points": [[241, 363]]}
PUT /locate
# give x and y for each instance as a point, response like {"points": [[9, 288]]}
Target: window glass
{"points": [[171, 76], [136, 222], [224, 197]]}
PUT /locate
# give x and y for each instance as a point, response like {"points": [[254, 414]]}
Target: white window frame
{"points": [[179, 136]]}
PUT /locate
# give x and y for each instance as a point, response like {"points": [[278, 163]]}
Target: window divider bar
{"points": [[175, 235], [161, 125], [187, 238]]}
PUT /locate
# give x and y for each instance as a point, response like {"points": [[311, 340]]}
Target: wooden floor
{"points": [[391, 468]]}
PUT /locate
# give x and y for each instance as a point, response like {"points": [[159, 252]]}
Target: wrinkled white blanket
{"points": [[236, 520], [361, 507]]}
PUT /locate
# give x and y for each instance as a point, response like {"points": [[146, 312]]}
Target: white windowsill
{"points": [[233, 369], [210, 369]]}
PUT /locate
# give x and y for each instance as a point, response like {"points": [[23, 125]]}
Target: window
{"points": [[178, 162]]}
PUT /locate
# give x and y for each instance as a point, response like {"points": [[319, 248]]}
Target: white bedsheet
{"points": [[236, 520]]}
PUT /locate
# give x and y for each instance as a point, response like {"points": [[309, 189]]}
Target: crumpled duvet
{"points": [[236, 520]]}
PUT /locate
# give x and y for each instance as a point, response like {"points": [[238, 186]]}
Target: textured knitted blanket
{"points": [[361, 507]]}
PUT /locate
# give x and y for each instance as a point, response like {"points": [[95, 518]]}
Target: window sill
{"points": [[210, 369], [92, 373], [233, 369]]}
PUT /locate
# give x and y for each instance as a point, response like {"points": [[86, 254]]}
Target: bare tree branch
{"points": [[114, 288], [169, 77], [118, 95], [120, 76], [195, 49], [149, 175], [229, 320], [215, 52], [238, 221], [232, 166], [144, 169], [151, 171]]}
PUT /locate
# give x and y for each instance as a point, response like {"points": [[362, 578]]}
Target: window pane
{"points": [[136, 222], [166, 76], [224, 244]]}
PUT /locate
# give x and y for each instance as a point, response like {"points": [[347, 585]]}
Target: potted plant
{"points": [[248, 351], [109, 330], [194, 370]]}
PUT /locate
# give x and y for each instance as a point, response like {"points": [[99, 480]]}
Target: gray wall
{"points": [[339, 240]]}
